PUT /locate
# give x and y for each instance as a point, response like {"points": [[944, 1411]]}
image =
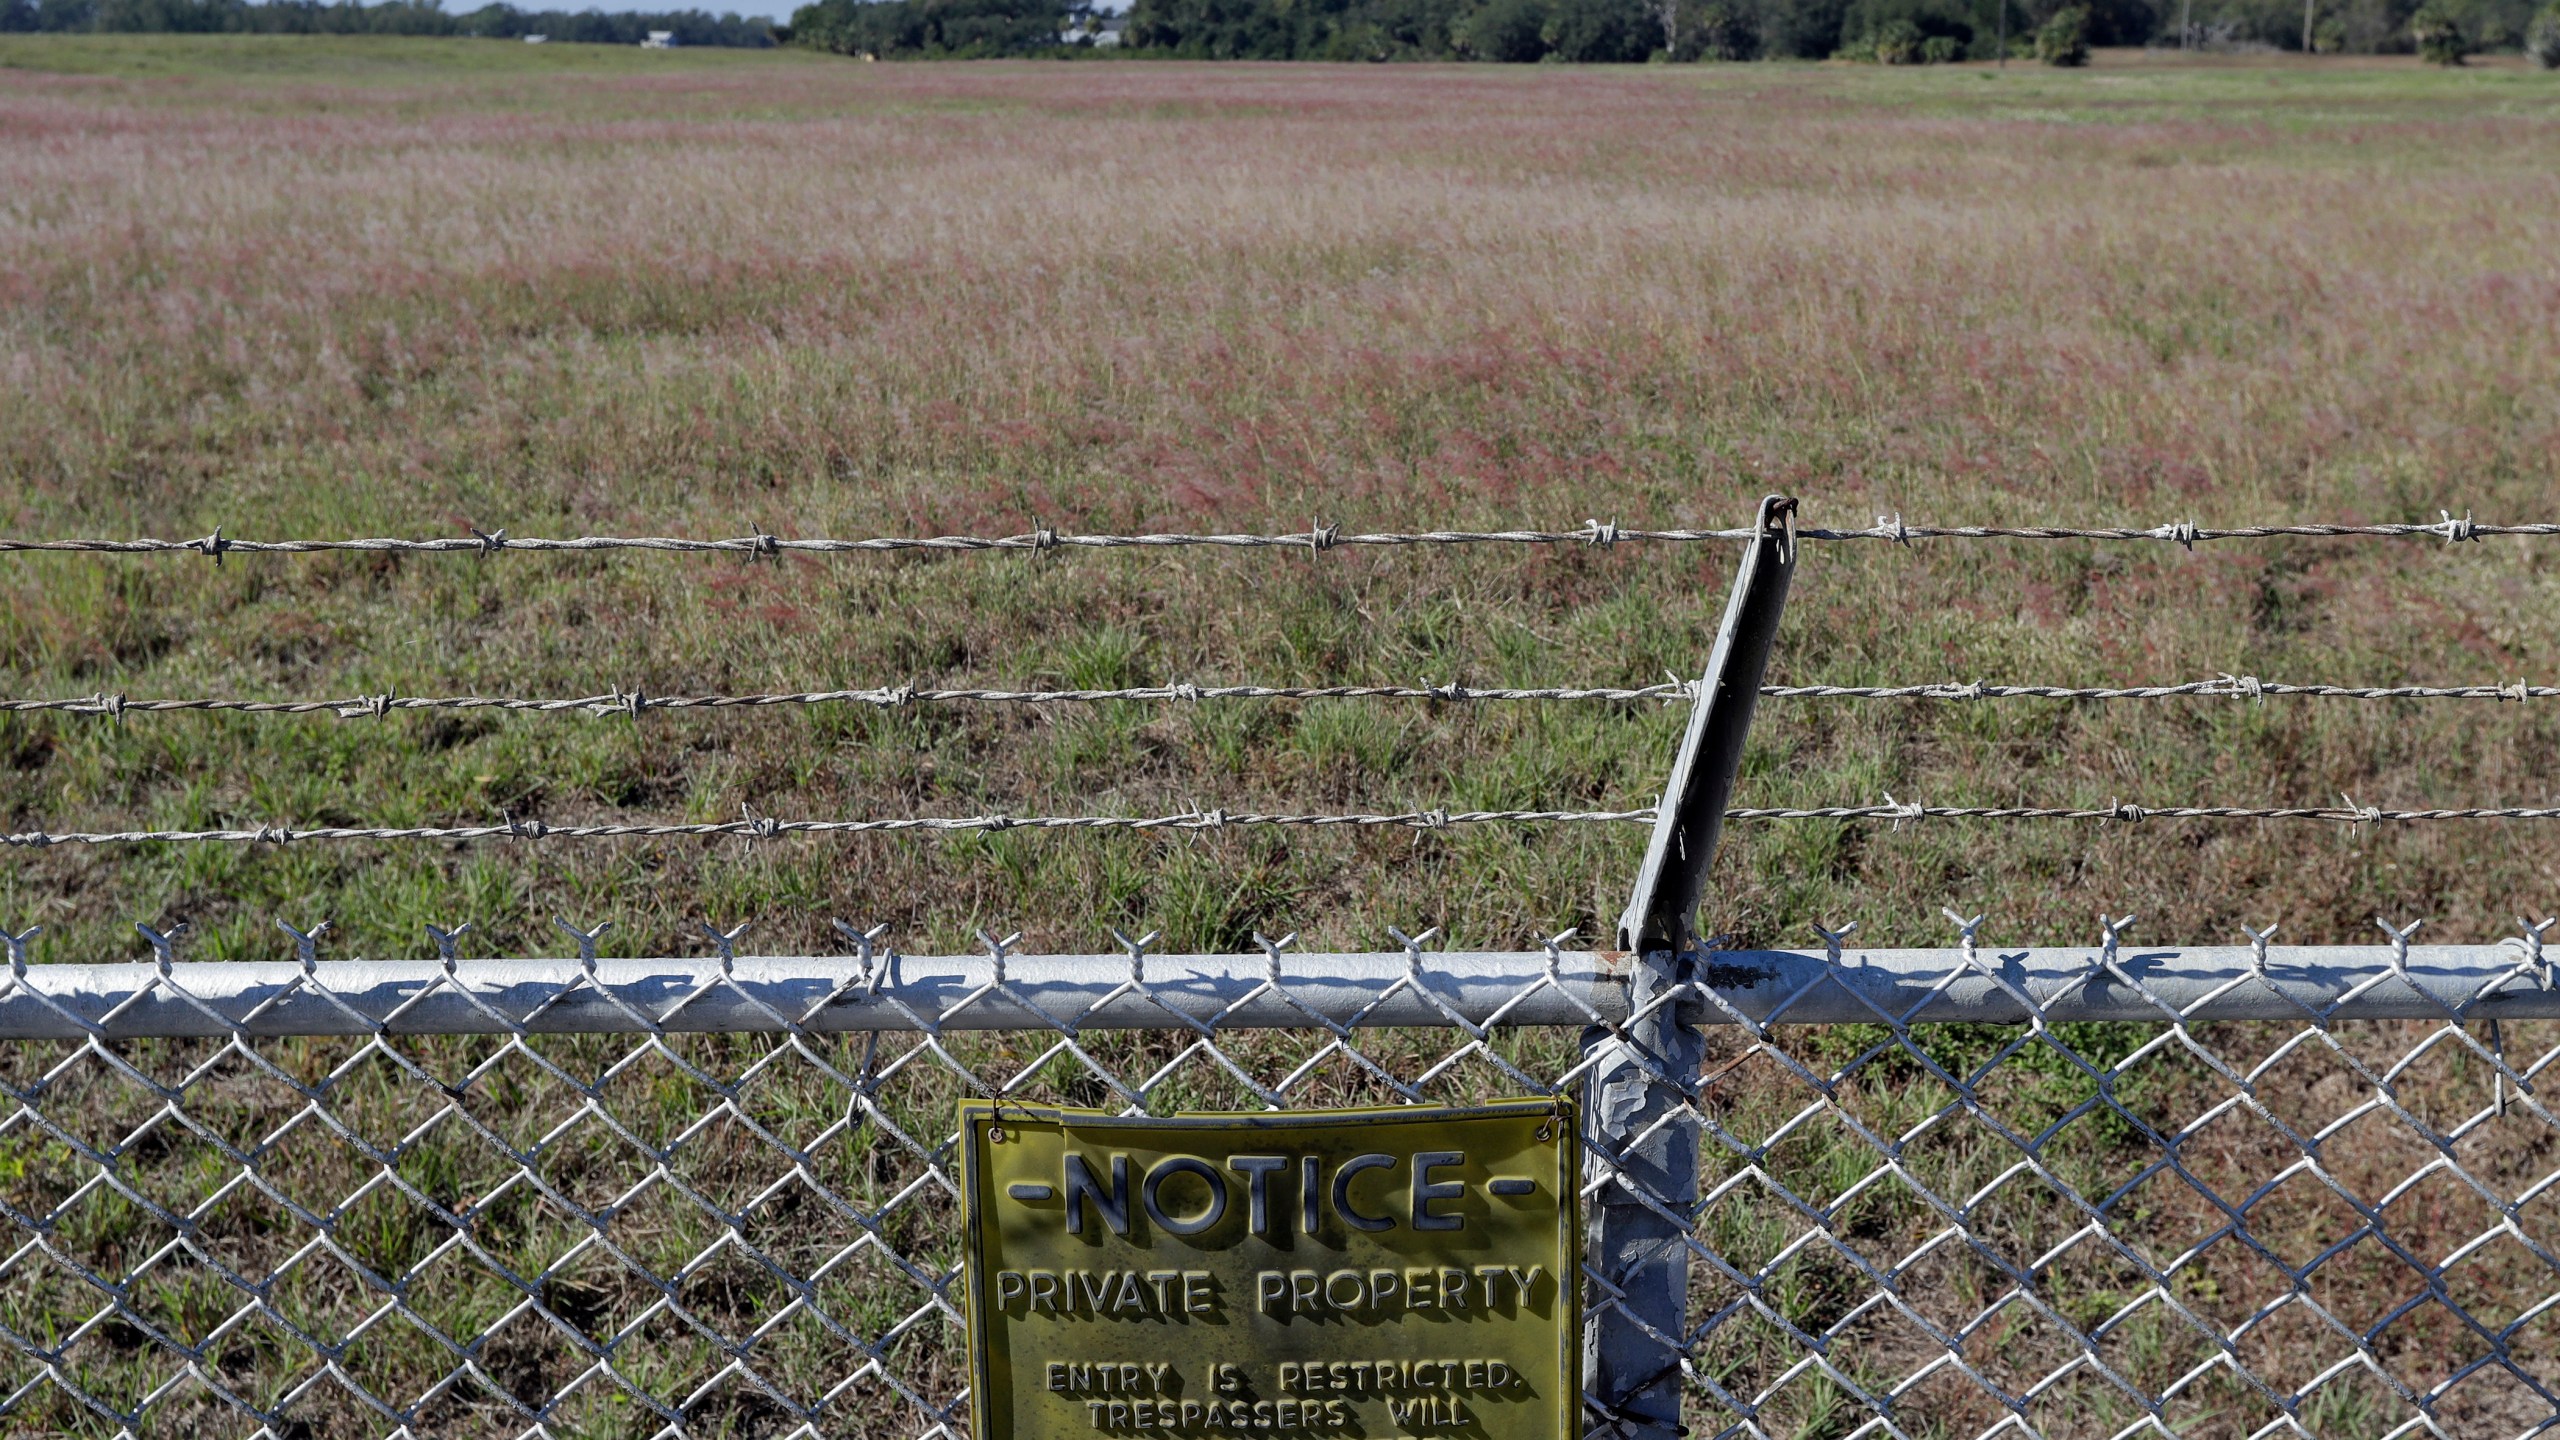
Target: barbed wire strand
{"points": [[2349, 812], [2247, 687], [764, 828], [619, 702], [635, 701], [2184, 533]]}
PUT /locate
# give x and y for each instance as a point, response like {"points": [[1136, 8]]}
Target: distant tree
{"points": [[1691, 30], [955, 28], [1803, 29], [1897, 32], [2542, 39], [1295, 29], [1508, 31], [1896, 42], [1666, 13], [1724, 32], [153, 17], [2064, 39], [386, 17], [1598, 31], [2438, 33]]}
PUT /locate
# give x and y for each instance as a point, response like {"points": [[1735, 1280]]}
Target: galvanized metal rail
{"points": [[1279, 990], [886, 991]]}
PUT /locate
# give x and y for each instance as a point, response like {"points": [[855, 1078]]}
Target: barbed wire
{"points": [[757, 827], [765, 827], [2347, 812], [634, 701], [2248, 687], [2184, 533]]}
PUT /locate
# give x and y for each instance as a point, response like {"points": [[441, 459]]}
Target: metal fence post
{"points": [[1644, 1078], [1638, 1108]]}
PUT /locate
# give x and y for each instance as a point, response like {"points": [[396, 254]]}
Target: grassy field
{"points": [[573, 289], [341, 288]]}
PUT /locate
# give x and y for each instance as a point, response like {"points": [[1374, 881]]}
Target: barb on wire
{"points": [[1317, 537], [634, 701]]}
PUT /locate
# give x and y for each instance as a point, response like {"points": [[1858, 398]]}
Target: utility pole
{"points": [[2308, 7]]}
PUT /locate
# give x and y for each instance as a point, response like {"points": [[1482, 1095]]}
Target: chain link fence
{"points": [[2240, 1191]]}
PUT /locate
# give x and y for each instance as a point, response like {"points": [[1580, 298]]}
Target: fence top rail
{"points": [[2183, 533], [879, 989]]}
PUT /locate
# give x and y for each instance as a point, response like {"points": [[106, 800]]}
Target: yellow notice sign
{"points": [[1362, 1273]]}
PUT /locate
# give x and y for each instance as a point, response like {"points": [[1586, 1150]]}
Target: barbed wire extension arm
{"points": [[2183, 533], [756, 827], [635, 701]]}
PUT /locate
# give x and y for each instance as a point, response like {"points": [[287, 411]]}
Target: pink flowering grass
{"points": [[830, 298]]}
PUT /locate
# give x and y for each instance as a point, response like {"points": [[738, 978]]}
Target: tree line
{"points": [[1889, 31], [1886, 31], [389, 17]]}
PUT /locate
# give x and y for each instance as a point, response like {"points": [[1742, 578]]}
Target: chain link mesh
{"points": [[2317, 1225], [1923, 1216]]}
